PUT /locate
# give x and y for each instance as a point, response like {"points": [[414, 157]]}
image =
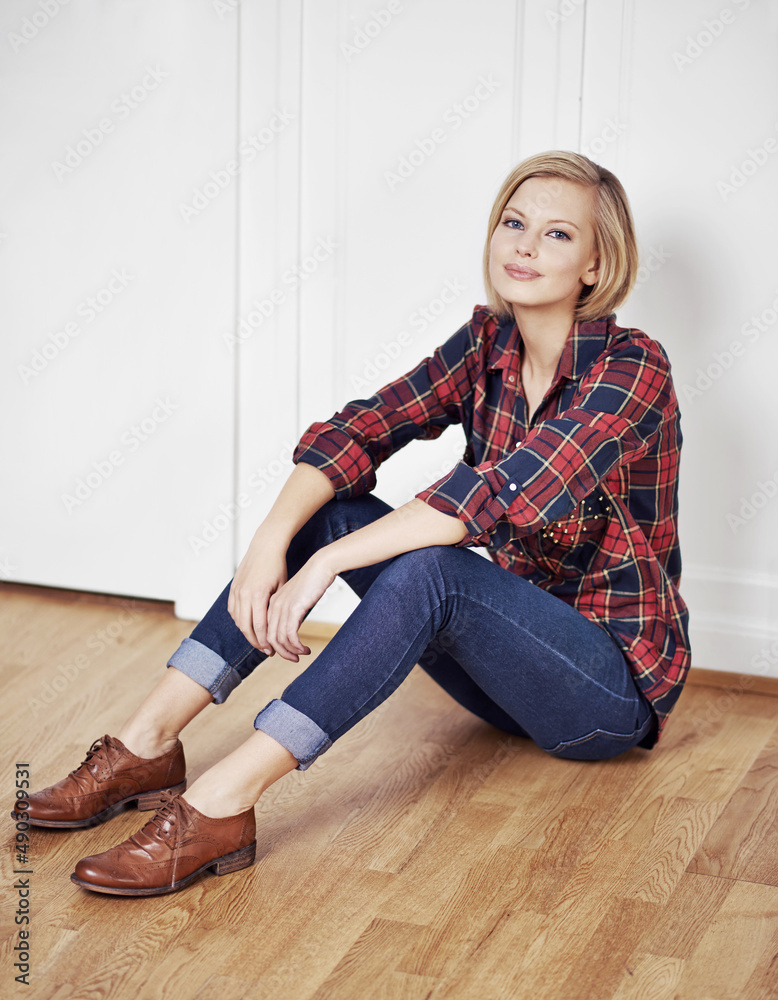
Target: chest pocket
{"points": [[586, 523]]}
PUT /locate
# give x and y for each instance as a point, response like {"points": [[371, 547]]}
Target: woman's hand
{"points": [[261, 574], [262, 571], [290, 604]]}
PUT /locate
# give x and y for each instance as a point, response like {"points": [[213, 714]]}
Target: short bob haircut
{"points": [[614, 230]]}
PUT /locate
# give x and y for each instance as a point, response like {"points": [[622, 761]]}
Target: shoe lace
{"points": [[171, 818], [96, 754]]}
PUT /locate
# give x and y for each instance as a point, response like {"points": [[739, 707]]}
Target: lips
{"points": [[521, 272]]}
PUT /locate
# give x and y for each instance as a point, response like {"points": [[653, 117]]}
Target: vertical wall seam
{"points": [[585, 13], [625, 76], [517, 79], [237, 288], [299, 208]]}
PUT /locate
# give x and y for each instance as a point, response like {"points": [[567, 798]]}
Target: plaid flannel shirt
{"points": [[582, 500]]}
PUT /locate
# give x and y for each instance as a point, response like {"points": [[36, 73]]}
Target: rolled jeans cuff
{"points": [[207, 668], [293, 730]]}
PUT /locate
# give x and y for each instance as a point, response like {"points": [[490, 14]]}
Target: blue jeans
{"points": [[506, 650]]}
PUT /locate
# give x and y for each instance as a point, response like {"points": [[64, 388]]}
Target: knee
{"points": [[422, 565], [431, 557]]}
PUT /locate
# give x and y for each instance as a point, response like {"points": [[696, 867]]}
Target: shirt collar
{"points": [[585, 343]]}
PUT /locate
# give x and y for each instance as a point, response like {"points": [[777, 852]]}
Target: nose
{"points": [[525, 246]]}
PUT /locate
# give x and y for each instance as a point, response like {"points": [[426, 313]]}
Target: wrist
{"points": [[271, 538], [326, 561]]}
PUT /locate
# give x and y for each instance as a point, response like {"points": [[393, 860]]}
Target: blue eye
{"points": [[513, 224], [556, 233]]}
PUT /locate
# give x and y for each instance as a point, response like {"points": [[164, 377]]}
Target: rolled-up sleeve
{"points": [[614, 417], [351, 445]]}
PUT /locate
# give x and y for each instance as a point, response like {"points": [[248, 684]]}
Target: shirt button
{"points": [[511, 378], [512, 486]]}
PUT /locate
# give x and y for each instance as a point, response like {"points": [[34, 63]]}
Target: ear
{"points": [[591, 272]]}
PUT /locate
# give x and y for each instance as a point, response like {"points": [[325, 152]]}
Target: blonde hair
{"points": [[614, 230]]}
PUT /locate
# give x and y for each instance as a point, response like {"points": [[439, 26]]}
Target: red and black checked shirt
{"points": [[582, 500]]}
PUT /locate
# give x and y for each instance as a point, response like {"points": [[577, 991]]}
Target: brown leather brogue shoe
{"points": [[109, 778], [176, 846]]}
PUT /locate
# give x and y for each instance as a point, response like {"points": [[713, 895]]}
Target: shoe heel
{"points": [[235, 861], [152, 800]]}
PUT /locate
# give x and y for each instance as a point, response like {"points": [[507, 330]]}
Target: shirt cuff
{"points": [[479, 498], [340, 458]]}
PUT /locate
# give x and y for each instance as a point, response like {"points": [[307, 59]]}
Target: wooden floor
{"points": [[426, 855]]}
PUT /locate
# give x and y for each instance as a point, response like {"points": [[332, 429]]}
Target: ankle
{"points": [[146, 743], [218, 802]]}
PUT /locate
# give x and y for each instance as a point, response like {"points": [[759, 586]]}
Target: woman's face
{"points": [[542, 252]]}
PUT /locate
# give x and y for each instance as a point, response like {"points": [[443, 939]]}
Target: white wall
{"points": [[118, 414], [674, 97]]}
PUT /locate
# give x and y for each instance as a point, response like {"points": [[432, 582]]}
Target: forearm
{"points": [[305, 491], [412, 526]]}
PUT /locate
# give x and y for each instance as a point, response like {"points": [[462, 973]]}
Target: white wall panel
{"points": [[137, 102]]}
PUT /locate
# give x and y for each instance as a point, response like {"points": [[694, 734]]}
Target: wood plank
{"points": [[690, 910], [741, 943], [681, 827], [469, 914], [423, 889], [742, 842], [362, 971], [571, 931], [650, 977], [487, 970]]}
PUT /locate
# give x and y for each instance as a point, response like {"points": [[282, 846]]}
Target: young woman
{"points": [[573, 634]]}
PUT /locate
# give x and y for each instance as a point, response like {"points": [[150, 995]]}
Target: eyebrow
{"points": [[551, 222]]}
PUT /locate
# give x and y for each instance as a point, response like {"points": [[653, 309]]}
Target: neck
{"points": [[544, 335]]}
